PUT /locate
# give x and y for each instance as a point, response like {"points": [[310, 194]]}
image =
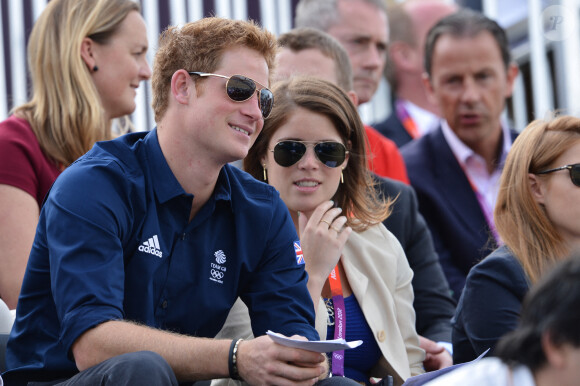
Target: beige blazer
{"points": [[380, 278]]}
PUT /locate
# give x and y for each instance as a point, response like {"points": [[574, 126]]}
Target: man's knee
{"points": [[337, 381], [142, 367]]}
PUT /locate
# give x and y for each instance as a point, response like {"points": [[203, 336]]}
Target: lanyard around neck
{"points": [[485, 207], [406, 119], [339, 320]]}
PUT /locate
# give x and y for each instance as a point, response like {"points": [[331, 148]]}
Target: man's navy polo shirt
{"points": [[114, 242]]}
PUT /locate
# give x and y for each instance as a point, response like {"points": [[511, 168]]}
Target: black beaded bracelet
{"points": [[233, 360]]}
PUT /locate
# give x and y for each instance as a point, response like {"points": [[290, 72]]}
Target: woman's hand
{"points": [[322, 237]]}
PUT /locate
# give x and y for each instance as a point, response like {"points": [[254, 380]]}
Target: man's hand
{"points": [[261, 361], [436, 357]]}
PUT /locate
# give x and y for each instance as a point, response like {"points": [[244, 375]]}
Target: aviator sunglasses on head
{"points": [[573, 169], [240, 88], [331, 154]]}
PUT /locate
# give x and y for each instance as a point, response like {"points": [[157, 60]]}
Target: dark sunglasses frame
{"points": [[295, 155], [265, 96], [574, 170]]}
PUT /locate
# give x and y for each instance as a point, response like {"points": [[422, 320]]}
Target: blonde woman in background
{"points": [[537, 216], [86, 60]]}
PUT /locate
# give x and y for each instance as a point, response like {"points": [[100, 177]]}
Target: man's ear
{"points": [[536, 187], [182, 87], [429, 88], [87, 52], [555, 353], [353, 97], [403, 56], [512, 73]]}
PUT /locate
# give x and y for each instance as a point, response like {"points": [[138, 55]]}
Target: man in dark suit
{"points": [[432, 302], [413, 113], [307, 51], [455, 169]]}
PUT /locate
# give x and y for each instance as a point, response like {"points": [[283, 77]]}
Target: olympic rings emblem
{"points": [[217, 274]]}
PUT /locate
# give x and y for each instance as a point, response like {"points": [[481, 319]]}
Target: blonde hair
{"points": [[65, 111], [521, 222], [357, 196]]}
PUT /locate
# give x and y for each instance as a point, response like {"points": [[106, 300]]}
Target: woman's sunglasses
{"points": [[331, 154], [240, 88], [573, 169]]}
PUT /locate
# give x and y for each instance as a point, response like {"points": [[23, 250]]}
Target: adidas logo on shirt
{"points": [[151, 246]]}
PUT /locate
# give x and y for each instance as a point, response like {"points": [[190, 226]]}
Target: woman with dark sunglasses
{"points": [[537, 216], [312, 150]]}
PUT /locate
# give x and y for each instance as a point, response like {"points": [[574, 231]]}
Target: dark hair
{"points": [[465, 23], [551, 307], [304, 38]]}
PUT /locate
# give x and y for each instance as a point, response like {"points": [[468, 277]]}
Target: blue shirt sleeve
{"points": [[277, 296], [85, 250]]}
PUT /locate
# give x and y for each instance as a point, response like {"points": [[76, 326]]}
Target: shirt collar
{"points": [[165, 184], [425, 120], [223, 189], [462, 152]]}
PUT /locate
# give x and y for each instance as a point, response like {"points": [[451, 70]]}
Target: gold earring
{"points": [[265, 173], [341, 176]]}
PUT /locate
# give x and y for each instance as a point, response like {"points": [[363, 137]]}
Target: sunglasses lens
{"points": [[240, 88], [332, 154], [575, 174], [266, 102], [287, 153]]}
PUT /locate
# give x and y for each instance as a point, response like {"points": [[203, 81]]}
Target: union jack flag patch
{"points": [[299, 254]]}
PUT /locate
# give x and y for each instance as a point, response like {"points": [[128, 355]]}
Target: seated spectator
{"points": [[309, 51], [544, 348], [145, 242], [456, 168], [312, 150], [536, 215], [86, 58]]}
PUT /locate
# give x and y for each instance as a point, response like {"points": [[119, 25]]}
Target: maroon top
{"points": [[22, 162]]}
